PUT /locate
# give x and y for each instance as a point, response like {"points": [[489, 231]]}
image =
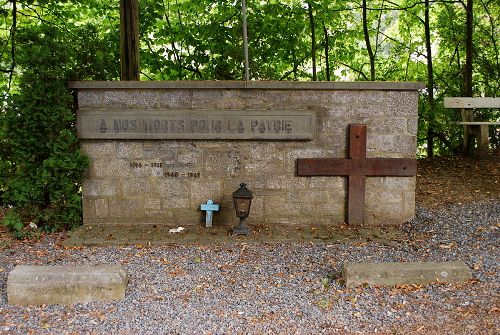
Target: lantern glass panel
{"points": [[242, 206]]}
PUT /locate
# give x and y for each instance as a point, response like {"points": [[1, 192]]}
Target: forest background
{"points": [[451, 46]]}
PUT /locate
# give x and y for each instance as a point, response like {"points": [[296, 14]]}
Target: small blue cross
{"points": [[210, 207]]}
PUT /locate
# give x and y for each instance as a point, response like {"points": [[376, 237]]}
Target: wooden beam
{"points": [[452, 102], [373, 167], [129, 40], [478, 123]]}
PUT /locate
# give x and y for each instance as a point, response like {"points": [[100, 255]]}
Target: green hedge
{"points": [[42, 166]]}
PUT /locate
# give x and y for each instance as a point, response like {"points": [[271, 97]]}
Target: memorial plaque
{"points": [[196, 124]]}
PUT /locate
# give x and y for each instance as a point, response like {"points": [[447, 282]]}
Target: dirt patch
{"points": [[456, 180]]}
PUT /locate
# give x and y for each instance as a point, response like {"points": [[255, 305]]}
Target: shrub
{"points": [[42, 166]]}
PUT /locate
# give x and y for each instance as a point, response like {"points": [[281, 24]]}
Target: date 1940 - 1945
{"points": [[172, 174]]}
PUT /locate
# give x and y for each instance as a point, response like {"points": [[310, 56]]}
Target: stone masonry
{"points": [[146, 181]]}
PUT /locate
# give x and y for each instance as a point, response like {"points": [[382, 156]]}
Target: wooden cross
{"points": [[357, 167], [210, 208]]}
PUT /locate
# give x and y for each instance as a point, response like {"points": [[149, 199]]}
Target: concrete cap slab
{"points": [[259, 85], [404, 273], [36, 285]]}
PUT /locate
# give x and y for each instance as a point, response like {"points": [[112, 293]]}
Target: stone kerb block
{"points": [[409, 273], [37, 285]]}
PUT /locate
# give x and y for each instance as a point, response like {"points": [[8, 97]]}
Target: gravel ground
{"points": [[277, 288]]}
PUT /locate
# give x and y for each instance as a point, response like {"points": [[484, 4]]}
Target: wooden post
{"points": [[129, 40], [483, 142], [245, 38], [468, 145]]}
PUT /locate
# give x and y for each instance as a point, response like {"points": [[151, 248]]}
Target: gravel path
{"points": [[277, 288]]}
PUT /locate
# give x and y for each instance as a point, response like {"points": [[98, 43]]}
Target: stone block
{"points": [[129, 150], [340, 98], [203, 190], [125, 208], [231, 100], [384, 213], [276, 99], [206, 99], [189, 156], [286, 182], [368, 111], [334, 184], [383, 125], [380, 145], [313, 100], [368, 103], [88, 207], [89, 99], [100, 187], [170, 187], [143, 99], [152, 204], [104, 168], [308, 197], [176, 202], [412, 125], [253, 99], [115, 99], [402, 103], [333, 140], [406, 273], [333, 211], [175, 99], [190, 217], [99, 149], [278, 206], [159, 216], [147, 168], [136, 186], [101, 208], [221, 163], [263, 169], [383, 196], [37, 285]]}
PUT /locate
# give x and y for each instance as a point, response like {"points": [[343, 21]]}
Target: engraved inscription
{"points": [[176, 174], [201, 126], [129, 124], [141, 165]]}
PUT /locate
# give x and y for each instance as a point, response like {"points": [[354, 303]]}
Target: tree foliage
{"points": [[44, 43], [41, 164]]}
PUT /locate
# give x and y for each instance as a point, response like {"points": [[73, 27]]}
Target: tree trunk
{"points": [[469, 26], [430, 83], [129, 40], [368, 44], [467, 114], [313, 39], [13, 43], [327, 51]]}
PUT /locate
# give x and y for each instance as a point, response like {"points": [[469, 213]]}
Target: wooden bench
{"points": [[474, 130]]}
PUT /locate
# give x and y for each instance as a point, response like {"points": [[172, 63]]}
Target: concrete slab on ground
{"points": [[405, 273], [97, 235], [37, 285]]}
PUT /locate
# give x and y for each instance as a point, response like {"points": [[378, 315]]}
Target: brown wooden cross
{"points": [[357, 167]]}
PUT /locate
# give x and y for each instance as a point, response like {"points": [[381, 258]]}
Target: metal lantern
{"points": [[242, 199]]}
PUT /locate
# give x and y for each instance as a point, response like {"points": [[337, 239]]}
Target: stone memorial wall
{"points": [[159, 150]]}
